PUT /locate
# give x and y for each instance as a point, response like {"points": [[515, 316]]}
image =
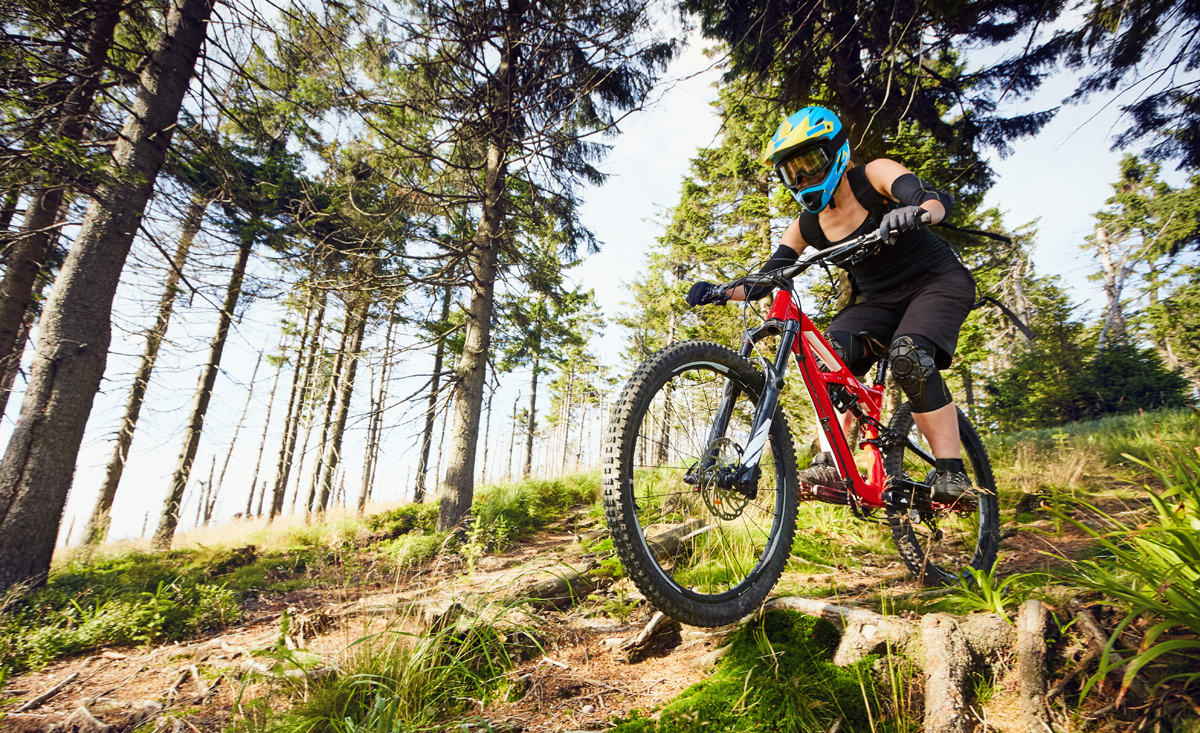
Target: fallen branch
{"points": [[45, 696], [660, 625], [569, 588]]}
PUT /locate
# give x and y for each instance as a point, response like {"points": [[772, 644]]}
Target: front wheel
{"points": [[703, 554], [939, 546]]}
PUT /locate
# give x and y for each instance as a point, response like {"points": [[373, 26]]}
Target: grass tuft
{"points": [[778, 676]]}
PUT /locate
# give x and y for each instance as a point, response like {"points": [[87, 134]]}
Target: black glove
{"points": [[898, 221], [703, 293]]}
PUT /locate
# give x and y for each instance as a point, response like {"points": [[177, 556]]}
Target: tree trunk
{"points": [[169, 518], [333, 451], [27, 251], [375, 428], [1021, 305], [1115, 275], [566, 421], [439, 354], [968, 380], [331, 391], [512, 435], [487, 427], [75, 329], [308, 426], [7, 211], [531, 427], [664, 438], [211, 499], [437, 469], [377, 415], [459, 488], [237, 428], [96, 531], [262, 444], [369, 444], [10, 369], [296, 400]]}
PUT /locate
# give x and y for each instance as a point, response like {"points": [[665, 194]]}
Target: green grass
{"points": [[529, 505], [1142, 435], [778, 676], [137, 597], [140, 597], [393, 680]]}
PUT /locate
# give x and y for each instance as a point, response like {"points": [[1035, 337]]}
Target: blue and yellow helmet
{"points": [[810, 152]]}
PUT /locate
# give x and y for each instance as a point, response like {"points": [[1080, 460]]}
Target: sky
{"points": [[1058, 178]]}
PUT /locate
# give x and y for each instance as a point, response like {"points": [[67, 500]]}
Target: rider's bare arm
{"points": [[791, 239], [883, 173]]}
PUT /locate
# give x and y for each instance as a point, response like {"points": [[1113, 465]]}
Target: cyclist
{"points": [[915, 292]]}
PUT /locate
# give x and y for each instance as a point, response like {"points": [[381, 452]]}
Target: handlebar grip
{"points": [[926, 217]]}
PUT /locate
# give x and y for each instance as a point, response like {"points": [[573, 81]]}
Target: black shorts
{"points": [[934, 307]]}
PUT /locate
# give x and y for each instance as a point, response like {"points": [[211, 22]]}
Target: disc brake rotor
{"points": [[721, 457]]}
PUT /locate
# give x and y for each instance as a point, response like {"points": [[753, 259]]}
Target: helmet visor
{"points": [[806, 163]]}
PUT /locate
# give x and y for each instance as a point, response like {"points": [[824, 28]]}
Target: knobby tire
{"points": [[770, 518]]}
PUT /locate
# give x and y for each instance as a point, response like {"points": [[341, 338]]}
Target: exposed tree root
{"points": [[1033, 628], [950, 649]]}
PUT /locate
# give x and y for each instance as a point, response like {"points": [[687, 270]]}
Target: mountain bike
{"points": [[700, 486]]}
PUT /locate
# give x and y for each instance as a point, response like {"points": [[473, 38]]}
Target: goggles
{"points": [[807, 163]]}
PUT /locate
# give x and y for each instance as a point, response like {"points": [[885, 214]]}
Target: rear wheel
{"points": [[703, 554], [939, 545]]}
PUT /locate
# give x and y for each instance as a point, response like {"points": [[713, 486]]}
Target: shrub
{"points": [[394, 681], [412, 548], [1153, 568]]}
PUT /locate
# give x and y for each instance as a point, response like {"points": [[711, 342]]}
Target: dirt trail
{"points": [[582, 679]]}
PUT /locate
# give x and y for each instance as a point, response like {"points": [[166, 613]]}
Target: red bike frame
{"points": [[809, 345]]}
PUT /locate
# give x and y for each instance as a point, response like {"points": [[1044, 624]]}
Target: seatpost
{"points": [[881, 371]]}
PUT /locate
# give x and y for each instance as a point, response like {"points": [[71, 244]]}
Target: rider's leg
{"points": [[914, 366], [940, 428]]}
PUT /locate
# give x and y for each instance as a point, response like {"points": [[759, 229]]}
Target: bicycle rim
{"points": [[691, 545], [939, 549]]}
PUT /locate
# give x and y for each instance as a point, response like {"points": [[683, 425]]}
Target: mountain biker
{"points": [[915, 291]]}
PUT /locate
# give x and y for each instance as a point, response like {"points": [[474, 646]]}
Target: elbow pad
{"points": [[783, 256], [912, 191]]}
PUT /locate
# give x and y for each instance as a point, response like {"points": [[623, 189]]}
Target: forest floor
{"points": [[579, 678]]}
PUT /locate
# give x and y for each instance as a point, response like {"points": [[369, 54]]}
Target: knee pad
{"points": [[914, 366]]}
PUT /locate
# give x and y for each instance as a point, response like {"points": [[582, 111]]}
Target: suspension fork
{"points": [[769, 399], [744, 477]]}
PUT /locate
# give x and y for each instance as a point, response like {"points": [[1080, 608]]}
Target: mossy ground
{"points": [[778, 675]]}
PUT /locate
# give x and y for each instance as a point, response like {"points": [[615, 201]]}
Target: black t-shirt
{"points": [[912, 256]]}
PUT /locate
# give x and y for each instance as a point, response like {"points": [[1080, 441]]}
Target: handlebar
{"points": [[837, 255]]}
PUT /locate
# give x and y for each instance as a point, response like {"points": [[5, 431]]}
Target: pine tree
{"points": [[37, 468]]}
